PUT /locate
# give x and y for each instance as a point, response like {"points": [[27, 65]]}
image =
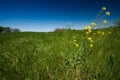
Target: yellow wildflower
{"points": [[107, 13], [87, 27], [90, 39], [77, 45], [89, 31], [102, 33], [91, 45], [104, 8], [104, 21], [93, 24], [75, 40]]}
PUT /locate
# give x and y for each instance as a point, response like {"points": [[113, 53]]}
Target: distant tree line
{"points": [[8, 29], [59, 30], [117, 22], [62, 29]]}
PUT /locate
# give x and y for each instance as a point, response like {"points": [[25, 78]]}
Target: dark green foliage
{"points": [[8, 29], [1, 29]]}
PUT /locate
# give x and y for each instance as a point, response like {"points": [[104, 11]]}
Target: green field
{"points": [[54, 56]]}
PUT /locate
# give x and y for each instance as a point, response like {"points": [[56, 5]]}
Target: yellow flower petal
{"points": [[75, 40], [89, 38], [89, 31], [77, 45], [103, 33], [91, 45]]}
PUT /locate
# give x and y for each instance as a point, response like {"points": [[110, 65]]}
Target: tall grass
{"points": [[53, 56], [90, 54]]}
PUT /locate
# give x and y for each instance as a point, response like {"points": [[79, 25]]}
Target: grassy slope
{"points": [[49, 56]]}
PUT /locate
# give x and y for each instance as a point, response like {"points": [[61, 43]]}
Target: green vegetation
{"points": [[54, 55], [65, 54]]}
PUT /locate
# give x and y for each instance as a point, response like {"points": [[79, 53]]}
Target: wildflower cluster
{"points": [[101, 33], [96, 23], [88, 29], [90, 39], [75, 41], [101, 18], [107, 13]]}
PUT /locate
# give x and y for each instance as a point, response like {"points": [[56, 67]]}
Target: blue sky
{"points": [[46, 15]]}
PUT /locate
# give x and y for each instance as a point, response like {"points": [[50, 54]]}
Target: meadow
{"points": [[62, 55]]}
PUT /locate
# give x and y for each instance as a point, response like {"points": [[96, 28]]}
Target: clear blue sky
{"points": [[46, 15]]}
